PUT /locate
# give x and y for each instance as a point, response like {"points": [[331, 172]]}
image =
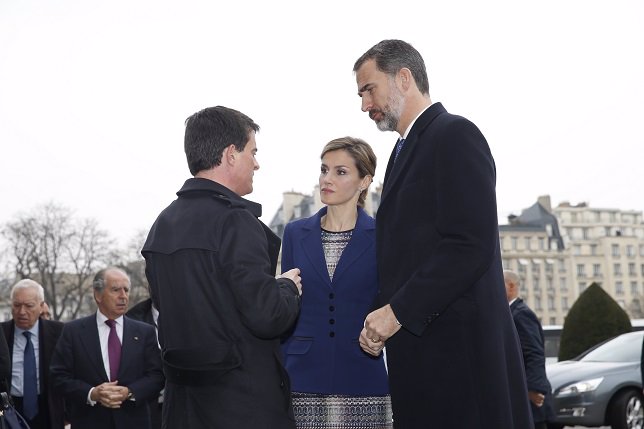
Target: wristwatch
{"points": [[130, 395]]}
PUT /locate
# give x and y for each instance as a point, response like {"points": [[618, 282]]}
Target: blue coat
{"points": [[322, 355]]}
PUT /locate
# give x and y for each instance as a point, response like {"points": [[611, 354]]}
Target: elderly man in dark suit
{"points": [[452, 350], [532, 347], [107, 365], [32, 340]]}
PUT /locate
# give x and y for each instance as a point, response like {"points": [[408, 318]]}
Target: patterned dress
{"points": [[322, 411]]}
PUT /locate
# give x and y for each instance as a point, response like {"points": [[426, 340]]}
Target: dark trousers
{"points": [[40, 421]]}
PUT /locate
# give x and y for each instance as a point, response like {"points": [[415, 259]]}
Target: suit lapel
{"points": [[130, 346], [359, 243], [92, 344], [395, 170], [311, 242]]}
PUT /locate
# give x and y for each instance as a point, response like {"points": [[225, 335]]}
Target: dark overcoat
{"points": [[456, 363], [77, 366], [211, 267], [534, 357], [48, 333], [323, 354]]}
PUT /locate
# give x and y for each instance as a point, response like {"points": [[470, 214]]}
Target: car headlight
{"points": [[580, 387]]}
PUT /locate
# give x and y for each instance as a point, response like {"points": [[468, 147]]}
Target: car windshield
{"points": [[625, 348]]}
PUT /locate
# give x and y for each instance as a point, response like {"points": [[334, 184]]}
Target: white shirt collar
{"points": [[414, 121], [101, 318]]}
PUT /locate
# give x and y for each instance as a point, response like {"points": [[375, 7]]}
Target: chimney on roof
{"points": [[544, 200]]}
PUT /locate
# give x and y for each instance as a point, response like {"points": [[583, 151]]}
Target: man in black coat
{"points": [[108, 366], [211, 267], [534, 357], [27, 305], [451, 344]]}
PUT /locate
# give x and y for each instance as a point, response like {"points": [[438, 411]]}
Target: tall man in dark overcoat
{"points": [[452, 351], [211, 267]]}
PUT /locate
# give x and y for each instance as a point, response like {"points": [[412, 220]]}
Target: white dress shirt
{"points": [[19, 344]]}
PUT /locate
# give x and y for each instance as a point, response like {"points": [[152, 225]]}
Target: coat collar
{"points": [[394, 171], [198, 185], [360, 241]]}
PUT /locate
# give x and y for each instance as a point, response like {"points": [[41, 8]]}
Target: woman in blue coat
{"points": [[334, 383]]}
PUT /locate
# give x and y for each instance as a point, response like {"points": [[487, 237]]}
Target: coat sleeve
{"points": [[5, 364], [287, 249], [62, 372], [150, 384], [463, 176], [267, 306]]}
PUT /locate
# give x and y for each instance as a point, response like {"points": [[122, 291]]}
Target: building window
{"points": [[562, 266], [513, 242], [634, 290], [631, 269], [593, 249], [581, 270], [615, 250], [641, 249], [537, 303], [617, 269], [542, 243], [630, 251], [564, 303], [585, 233], [582, 287], [549, 284], [551, 303], [562, 284], [597, 270], [535, 284], [576, 249], [643, 269], [619, 288], [553, 320], [528, 242]]}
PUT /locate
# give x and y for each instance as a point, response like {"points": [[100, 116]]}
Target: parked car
{"points": [[602, 386]]}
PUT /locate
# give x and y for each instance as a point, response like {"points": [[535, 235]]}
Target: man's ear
{"points": [[406, 79], [230, 154]]}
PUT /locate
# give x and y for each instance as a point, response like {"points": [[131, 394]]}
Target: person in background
{"points": [[46, 313], [335, 384], [31, 340], [532, 347], [211, 265], [145, 311], [106, 365], [453, 355]]}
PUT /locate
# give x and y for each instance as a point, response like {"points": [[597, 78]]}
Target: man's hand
{"points": [[379, 326], [293, 274], [109, 394], [536, 398]]}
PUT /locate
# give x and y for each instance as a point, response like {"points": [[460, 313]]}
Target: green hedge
{"points": [[593, 318]]}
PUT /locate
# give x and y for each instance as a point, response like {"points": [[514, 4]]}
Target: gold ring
{"points": [[374, 340]]}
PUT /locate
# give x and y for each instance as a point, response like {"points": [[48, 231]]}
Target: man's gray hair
{"points": [[29, 284], [99, 279]]}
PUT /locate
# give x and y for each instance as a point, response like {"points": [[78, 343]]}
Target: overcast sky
{"points": [[93, 95]]}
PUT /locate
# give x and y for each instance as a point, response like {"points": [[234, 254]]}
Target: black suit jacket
{"points": [[534, 357], [77, 366], [48, 333], [439, 266], [142, 311]]}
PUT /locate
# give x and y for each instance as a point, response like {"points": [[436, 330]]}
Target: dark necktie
{"points": [[399, 145], [30, 381], [113, 350]]}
